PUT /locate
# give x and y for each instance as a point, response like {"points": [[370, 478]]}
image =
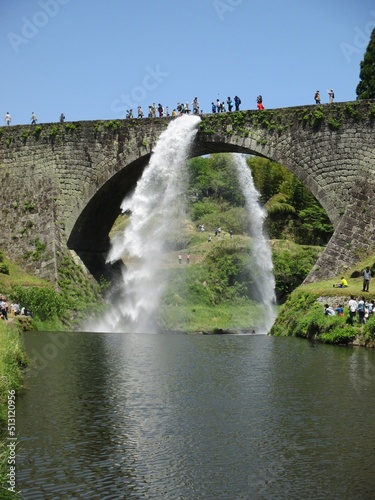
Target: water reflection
{"points": [[178, 416]]}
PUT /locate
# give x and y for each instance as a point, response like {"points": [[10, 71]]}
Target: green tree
{"points": [[366, 86], [268, 177], [314, 226]]}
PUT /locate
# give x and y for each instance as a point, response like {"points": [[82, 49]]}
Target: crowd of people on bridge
{"points": [[183, 108]]}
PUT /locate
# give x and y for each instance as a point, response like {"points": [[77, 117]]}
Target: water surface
{"points": [[136, 416]]}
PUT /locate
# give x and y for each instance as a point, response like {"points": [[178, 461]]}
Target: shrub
{"points": [[369, 329], [342, 335], [70, 127], [44, 303], [317, 117], [333, 124], [37, 131], [4, 268]]}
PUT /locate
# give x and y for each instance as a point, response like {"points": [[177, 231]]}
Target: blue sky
{"points": [[93, 59]]}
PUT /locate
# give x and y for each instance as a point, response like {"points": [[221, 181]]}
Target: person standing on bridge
{"points": [[8, 118], [237, 102], [331, 96], [260, 103]]}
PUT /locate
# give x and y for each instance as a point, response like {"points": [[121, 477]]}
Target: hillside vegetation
{"points": [[302, 315]]}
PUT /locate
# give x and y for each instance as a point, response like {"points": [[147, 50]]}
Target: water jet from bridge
{"points": [[157, 208], [260, 248]]}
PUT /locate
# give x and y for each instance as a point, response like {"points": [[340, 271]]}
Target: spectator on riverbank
{"points": [[34, 118], [213, 107], [317, 97], [62, 118], [343, 283], [328, 310], [366, 279], [361, 310], [352, 304], [140, 112], [3, 309], [339, 310], [26, 312], [7, 118], [15, 309], [230, 104]]}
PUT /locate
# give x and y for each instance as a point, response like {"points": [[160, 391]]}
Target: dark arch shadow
{"points": [[89, 237]]}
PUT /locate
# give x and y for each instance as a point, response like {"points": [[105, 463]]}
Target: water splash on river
{"points": [[157, 207], [261, 251]]}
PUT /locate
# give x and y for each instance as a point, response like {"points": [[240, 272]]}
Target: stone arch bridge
{"points": [[62, 184]]}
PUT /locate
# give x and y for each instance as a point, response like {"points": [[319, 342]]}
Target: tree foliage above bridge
{"points": [[366, 86]]}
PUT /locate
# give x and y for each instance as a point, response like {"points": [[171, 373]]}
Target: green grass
{"points": [[196, 318], [17, 276], [12, 361]]}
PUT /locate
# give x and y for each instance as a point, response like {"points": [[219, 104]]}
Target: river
{"points": [[174, 416]]}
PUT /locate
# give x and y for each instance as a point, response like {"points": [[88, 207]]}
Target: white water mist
{"points": [[157, 207], [261, 251]]}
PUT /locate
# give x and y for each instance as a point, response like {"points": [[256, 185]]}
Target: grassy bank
{"points": [[302, 315], [12, 362], [200, 318]]}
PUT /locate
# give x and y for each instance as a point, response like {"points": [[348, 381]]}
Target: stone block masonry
{"points": [[63, 184]]}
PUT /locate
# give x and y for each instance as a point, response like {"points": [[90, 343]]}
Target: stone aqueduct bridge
{"points": [[62, 184]]}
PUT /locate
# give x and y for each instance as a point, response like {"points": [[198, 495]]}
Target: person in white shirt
{"points": [[352, 304], [328, 310]]}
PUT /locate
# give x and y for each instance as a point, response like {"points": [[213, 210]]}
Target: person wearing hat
{"points": [[317, 97], [331, 96]]}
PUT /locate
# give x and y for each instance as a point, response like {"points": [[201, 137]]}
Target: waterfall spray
{"points": [[261, 251], [157, 206]]}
